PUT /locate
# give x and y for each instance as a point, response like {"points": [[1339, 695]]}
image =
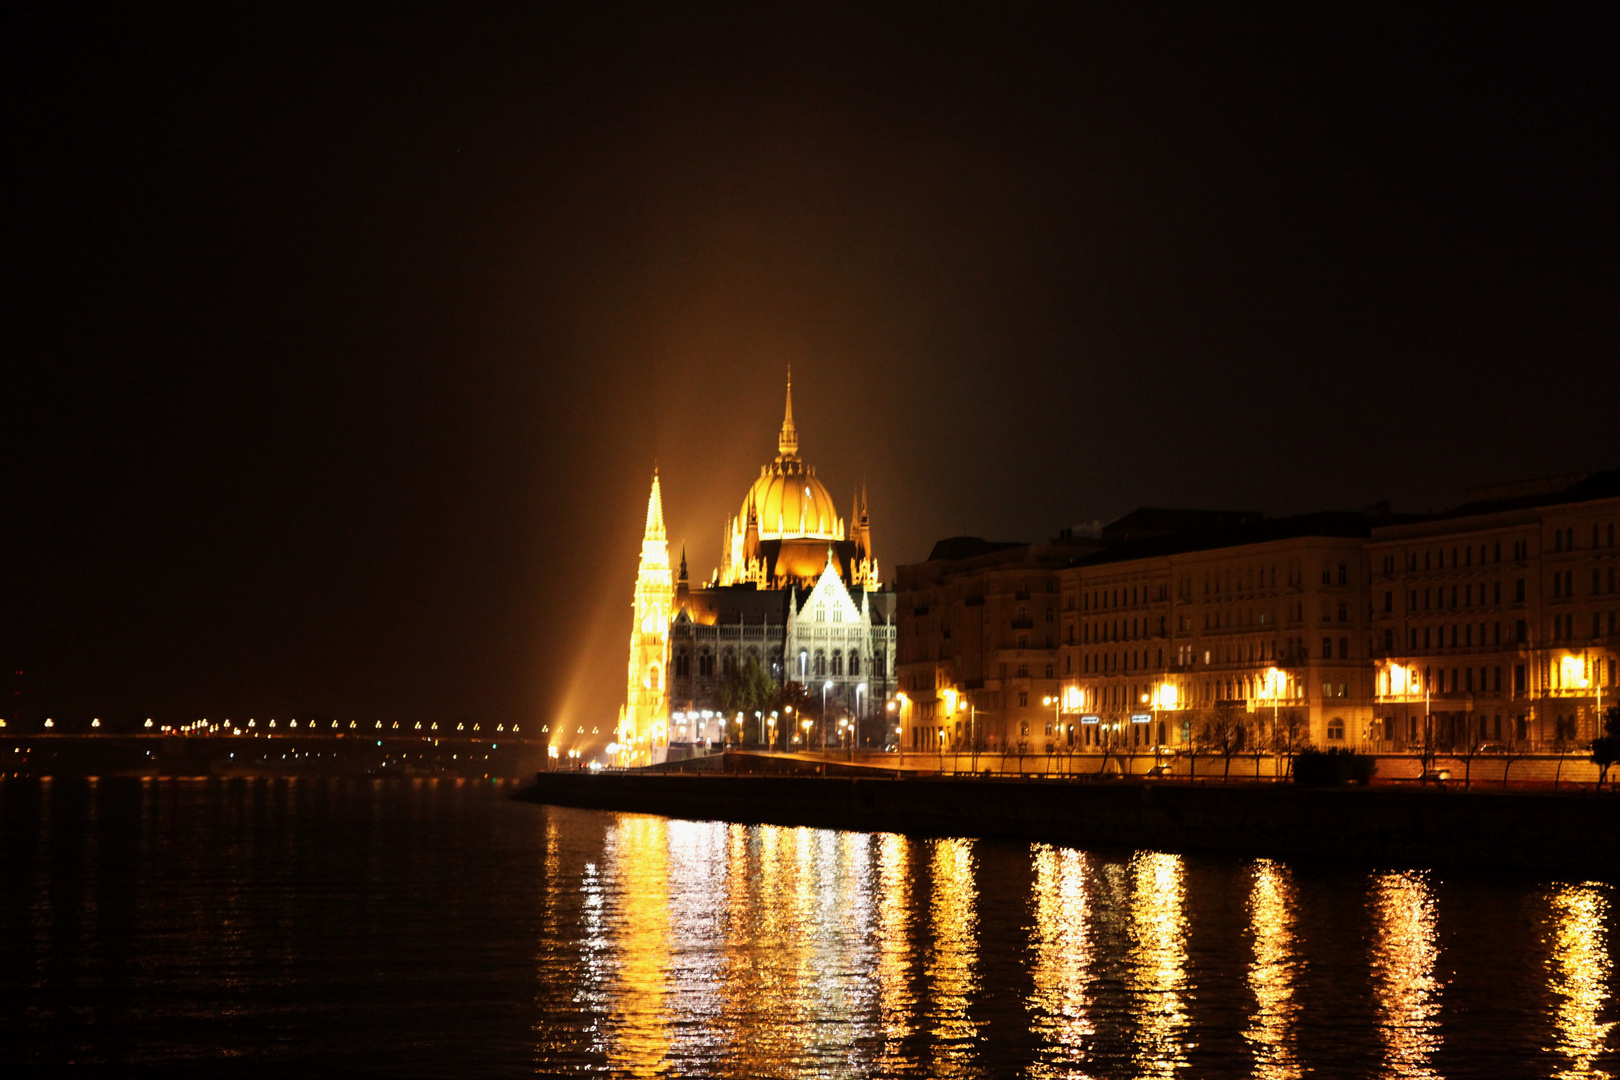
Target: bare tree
{"points": [[1290, 735], [1470, 743], [1225, 735], [1606, 747], [1516, 751]]}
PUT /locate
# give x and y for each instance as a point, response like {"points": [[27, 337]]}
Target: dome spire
{"points": [[787, 443]]}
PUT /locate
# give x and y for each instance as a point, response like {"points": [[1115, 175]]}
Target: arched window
{"points": [[854, 663], [705, 663], [821, 663], [728, 663], [838, 662], [655, 677]]}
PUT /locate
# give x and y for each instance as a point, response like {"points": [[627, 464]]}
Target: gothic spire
{"points": [[787, 443], [655, 512]]}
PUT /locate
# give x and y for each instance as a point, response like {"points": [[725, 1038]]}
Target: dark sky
{"points": [[341, 344]]}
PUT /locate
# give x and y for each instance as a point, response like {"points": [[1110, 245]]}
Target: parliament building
{"points": [[797, 592]]}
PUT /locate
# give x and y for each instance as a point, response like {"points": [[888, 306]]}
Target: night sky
{"points": [[341, 344]]}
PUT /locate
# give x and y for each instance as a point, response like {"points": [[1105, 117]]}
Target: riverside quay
{"points": [[1200, 636]]}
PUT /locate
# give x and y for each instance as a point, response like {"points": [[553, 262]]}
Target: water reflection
{"points": [[1060, 1003], [1271, 972], [896, 1001], [1403, 958], [952, 980], [638, 1041], [1157, 977], [1579, 968]]}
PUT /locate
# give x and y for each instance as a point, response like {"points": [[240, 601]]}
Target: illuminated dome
{"points": [[787, 499], [787, 531]]}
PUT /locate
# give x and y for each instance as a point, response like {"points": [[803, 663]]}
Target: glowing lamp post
{"points": [[826, 686]]}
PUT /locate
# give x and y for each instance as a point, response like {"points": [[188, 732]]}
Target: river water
{"points": [[435, 928]]}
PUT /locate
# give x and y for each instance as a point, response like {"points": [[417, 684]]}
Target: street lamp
{"points": [[860, 689], [826, 686]]}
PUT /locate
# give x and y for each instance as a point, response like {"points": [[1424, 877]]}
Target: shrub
{"points": [[1327, 768]]}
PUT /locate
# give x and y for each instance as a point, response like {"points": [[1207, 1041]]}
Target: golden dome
{"points": [[789, 501]]}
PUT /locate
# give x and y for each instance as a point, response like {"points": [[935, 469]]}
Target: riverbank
{"points": [[1576, 833]]}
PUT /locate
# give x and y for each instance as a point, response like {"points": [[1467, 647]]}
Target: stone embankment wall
{"points": [[1576, 833], [1574, 770]]}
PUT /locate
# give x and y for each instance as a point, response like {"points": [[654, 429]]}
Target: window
{"points": [[1023, 703], [706, 664], [1023, 671], [1389, 602], [1518, 591], [1344, 648], [838, 662], [1327, 648], [1335, 729], [1327, 576], [1049, 671], [1344, 612], [821, 663], [854, 663], [1344, 574]]}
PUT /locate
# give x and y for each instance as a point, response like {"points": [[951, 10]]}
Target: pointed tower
{"points": [[683, 587], [644, 728], [787, 443]]}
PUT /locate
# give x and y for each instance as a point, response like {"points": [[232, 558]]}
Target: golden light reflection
{"points": [[952, 979], [1578, 974], [1157, 975], [638, 1042], [896, 1002], [1271, 973], [1060, 1003], [1403, 959]]}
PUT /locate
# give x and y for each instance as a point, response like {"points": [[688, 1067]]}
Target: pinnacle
{"points": [[655, 512]]}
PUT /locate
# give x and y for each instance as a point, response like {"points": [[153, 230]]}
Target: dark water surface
{"points": [[436, 928]]}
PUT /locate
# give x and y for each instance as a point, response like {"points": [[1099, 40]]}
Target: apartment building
{"points": [[1495, 623], [978, 645], [1163, 635]]}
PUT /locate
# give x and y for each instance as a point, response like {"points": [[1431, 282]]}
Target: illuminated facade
{"points": [[1494, 625], [1163, 636], [643, 720], [979, 645], [1491, 626], [797, 592]]}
